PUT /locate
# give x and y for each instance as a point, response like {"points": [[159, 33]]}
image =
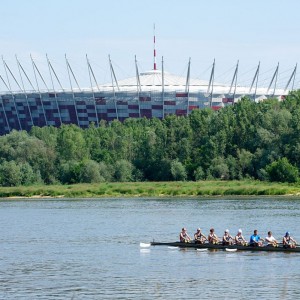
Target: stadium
{"points": [[155, 93]]}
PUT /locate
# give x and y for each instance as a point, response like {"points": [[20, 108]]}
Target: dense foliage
{"points": [[246, 140]]}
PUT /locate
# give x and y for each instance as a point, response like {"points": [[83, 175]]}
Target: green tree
{"points": [[71, 144], [282, 171]]}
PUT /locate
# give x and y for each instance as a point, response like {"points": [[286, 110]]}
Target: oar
{"points": [[172, 247], [202, 249], [231, 250], [145, 245]]}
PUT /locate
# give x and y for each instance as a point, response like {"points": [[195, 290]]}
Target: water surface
{"points": [[89, 249]]}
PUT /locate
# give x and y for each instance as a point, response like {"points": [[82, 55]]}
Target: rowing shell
{"points": [[229, 248]]}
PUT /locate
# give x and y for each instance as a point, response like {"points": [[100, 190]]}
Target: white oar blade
{"points": [[172, 247], [202, 249], [230, 250], [145, 245]]}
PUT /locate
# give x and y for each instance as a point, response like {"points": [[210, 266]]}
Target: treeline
{"points": [[247, 140]]}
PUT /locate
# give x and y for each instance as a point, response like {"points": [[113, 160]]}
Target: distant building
{"points": [[150, 94]]}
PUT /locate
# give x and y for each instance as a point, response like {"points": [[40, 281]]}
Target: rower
{"points": [[212, 237], [288, 241], [183, 236], [271, 240], [256, 240], [239, 239], [227, 238], [199, 237]]}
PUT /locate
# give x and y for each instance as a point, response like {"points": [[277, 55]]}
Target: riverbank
{"points": [[152, 189]]}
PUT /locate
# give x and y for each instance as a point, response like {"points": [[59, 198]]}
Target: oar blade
{"points": [[145, 245], [231, 250]]}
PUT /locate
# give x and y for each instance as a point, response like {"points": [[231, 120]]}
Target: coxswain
{"points": [[288, 241], [227, 238], [212, 237], [271, 240], [183, 236], [199, 237], [256, 240]]}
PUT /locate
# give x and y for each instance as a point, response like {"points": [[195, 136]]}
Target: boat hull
{"points": [[224, 247]]}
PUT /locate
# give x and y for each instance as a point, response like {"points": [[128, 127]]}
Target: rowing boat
{"points": [[226, 247]]}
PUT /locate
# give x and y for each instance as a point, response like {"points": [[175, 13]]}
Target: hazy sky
{"points": [[251, 31]]}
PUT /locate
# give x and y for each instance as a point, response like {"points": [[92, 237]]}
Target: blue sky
{"points": [[251, 31]]}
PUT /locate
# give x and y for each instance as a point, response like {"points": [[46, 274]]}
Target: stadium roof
{"points": [[153, 81]]}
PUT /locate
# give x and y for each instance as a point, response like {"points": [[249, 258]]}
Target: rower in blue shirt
{"points": [[256, 240]]}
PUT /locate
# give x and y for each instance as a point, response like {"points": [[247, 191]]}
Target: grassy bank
{"points": [[153, 189]]}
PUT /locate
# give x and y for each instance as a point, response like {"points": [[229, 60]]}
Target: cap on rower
{"points": [[287, 233], [227, 230], [240, 231]]}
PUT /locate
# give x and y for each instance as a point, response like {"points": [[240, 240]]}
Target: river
{"points": [[89, 249]]}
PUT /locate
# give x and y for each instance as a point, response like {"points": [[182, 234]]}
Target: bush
{"points": [[28, 176], [69, 172], [123, 171], [90, 172], [199, 174], [10, 174], [178, 171], [282, 171], [218, 169]]}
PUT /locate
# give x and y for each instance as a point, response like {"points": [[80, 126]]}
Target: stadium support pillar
{"points": [[55, 94], [187, 85], [138, 84], [163, 86], [24, 91], [113, 76], [255, 80], [52, 69], [39, 73], [90, 70], [5, 116], [37, 84], [234, 81], [10, 90], [6, 119], [292, 77], [275, 75], [210, 88], [70, 70]]}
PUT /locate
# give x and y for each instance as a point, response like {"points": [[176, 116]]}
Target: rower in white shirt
{"points": [[271, 240]]}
